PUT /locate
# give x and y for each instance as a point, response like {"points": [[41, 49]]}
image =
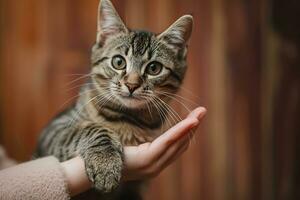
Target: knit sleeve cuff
{"points": [[38, 179]]}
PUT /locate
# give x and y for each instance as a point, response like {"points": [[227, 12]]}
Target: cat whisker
{"points": [[189, 92], [149, 100], [75, 74], [77, 79], [160, 112], [187, 108], [171, 110], [176, 95], [78, 86], [159, 108], [167, 116], [80, 93], [160, 116], [192, 131], [148, 108], [73, 97], [103, 101], [175, 116], [78, 112]]}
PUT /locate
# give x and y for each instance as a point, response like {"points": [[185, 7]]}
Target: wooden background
{"points": [[244, 67]]}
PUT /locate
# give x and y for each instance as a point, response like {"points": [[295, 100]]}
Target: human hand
{"points": [[143, 161], [149, 159]]}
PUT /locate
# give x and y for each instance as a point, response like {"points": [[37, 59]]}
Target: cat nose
{"points": [[132, 87], [132, 81]]}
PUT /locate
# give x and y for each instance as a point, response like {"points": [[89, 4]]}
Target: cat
{"points": [[124, 101]]}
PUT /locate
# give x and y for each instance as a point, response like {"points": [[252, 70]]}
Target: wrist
{"points": [[76, 177]]}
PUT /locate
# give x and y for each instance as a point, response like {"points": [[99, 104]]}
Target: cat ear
{"points": [[179, 32], [109, 22]]}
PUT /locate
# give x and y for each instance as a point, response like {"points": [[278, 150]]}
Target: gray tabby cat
{"points": [[124, 101]]}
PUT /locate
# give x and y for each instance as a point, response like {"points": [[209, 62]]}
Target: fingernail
{"points": [[202, 112], [198, 112], [195, 122]]}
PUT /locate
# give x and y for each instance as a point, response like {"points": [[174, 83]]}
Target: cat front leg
{"points": [[102, 153]]}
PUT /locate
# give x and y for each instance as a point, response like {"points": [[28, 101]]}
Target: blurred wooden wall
{"points": [[243, 67]]}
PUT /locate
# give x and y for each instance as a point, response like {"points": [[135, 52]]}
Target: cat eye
{"points": [[154, 68], [118, 62]]}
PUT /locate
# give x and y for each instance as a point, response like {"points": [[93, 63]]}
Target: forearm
{"points": [[37, 179]]}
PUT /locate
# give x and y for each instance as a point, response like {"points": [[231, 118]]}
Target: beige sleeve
{"points": [[38, 179]]}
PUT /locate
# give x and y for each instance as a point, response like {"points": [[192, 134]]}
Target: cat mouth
{"points": [[129, 96], [131, 100]]}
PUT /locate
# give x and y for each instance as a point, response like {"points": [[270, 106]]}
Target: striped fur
{"points": [[119, 107]]}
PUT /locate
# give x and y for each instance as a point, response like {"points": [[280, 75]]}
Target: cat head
{"points": [[133, 68]]}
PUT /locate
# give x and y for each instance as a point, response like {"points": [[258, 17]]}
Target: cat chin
{"points": [[131, 102]]}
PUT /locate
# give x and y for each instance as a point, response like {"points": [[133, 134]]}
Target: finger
{"points": [[182, 149], [160, 145], [177, 131], [171, 152], [181, 145], [131, 163], [198, 113]]}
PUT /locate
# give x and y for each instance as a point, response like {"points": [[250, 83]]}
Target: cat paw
{"points": [[108, 181], [105, 173]]}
